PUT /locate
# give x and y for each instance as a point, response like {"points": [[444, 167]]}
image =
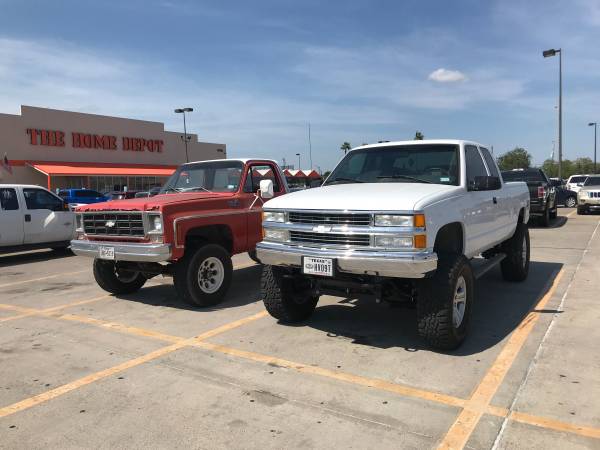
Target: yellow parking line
{"points": [[33, 280], [28, 312], [467, 420], [61, 390], [378, 384], [554, 424], [571, 213]]}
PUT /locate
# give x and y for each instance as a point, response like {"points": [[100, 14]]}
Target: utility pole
{"points": [[546, 54], [309, 147]]}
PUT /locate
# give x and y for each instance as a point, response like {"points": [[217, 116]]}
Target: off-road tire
{"points": [[435, 302], [253, 257], [105, 273], [581, 211], [187, 271], [545, 219], [284, 299], [514, 267]]}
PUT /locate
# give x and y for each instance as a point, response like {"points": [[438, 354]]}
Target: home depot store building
{"points": [[62, 149]]}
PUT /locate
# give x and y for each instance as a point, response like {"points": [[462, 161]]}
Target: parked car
{"points": [[589, 195], [400, 222], [32, 217], [564, 196], [541, 193], [120, 195], [81, 196], [206, 212], [574, 182]]}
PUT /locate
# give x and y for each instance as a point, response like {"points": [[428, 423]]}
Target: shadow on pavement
{"points": [[32, 257], [245, 288], [499, 308], [559, 222]]}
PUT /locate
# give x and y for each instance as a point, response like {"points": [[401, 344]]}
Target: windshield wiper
{"points": [[406, 177], [344, 179], [195, 188], [171, 189]]}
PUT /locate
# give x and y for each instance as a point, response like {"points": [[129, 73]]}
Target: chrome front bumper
{"points": [[124, 251], [386, 264]]}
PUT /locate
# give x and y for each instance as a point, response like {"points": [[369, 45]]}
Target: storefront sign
{"points": [[55, 138]]}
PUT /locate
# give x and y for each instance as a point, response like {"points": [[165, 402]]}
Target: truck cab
{"points": [[206, 212]]}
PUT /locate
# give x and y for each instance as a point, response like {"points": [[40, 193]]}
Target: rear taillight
{"points": [[541, 192]]}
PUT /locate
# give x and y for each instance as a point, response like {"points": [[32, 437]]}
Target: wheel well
{"points": [[216, 234], [449, 238]]}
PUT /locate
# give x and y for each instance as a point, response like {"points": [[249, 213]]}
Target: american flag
{"points": [[6, 164]]}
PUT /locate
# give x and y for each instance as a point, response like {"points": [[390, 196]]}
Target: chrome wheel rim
{"points": [[524, 251], [571, 202], [459, 303], [211, 275]]}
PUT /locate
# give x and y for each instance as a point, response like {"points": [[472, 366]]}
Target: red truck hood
{"points": [[153, 203]]}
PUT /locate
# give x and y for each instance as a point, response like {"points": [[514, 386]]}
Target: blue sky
{"points": [[360, 71]]}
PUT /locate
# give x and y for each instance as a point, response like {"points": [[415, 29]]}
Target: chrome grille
{"points": [[330, 218], [123, 224], [594, 194], [349, 240]]}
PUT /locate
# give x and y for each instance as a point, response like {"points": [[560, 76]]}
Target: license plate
{"points": [[317, 266], [107, 253]]}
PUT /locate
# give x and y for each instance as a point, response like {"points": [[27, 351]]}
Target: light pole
{"points": [[298, 155], [185, 139], [546, 54], [595, 124]]}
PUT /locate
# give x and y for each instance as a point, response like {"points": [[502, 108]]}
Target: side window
{"points": [[258, 173], [8, 199], [40, 199], [490, 162], [475, 166]]}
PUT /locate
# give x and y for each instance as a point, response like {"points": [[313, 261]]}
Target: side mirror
{"points": [[266, 189], [485, 184]]}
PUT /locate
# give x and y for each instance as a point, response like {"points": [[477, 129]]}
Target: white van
{"points": [[32, 217]]}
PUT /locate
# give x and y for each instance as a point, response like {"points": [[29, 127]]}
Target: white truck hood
{"points": [[366, 197]]}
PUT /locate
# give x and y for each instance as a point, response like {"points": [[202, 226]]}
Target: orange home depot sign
{"points": [[56, 138]]}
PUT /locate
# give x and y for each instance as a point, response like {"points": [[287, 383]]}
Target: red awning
{"points": [[86, 169]]}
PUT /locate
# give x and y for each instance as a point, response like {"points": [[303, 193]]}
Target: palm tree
{"points": [[346, 146], [419, 136]]}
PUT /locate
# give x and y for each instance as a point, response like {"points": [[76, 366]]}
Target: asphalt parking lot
{"points": [[79, 368]]}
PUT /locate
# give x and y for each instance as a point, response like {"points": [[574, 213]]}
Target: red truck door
{"points": [[254, 174]]}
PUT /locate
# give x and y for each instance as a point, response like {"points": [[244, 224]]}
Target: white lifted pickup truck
{"points": [[401, 222]]}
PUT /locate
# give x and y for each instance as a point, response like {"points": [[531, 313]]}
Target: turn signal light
{"points": [[420, 241], [419, 220]]}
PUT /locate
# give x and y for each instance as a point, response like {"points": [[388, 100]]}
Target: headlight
{"points": [[393, 242], [583, 193], [270, 216], [155, 225], [79, 223], [273, 234], [392, 220]]}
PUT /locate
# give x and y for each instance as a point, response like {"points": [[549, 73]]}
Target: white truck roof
{"points": [[419, 142]]}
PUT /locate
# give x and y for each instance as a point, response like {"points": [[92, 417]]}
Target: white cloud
{"points": [[447, 76]]}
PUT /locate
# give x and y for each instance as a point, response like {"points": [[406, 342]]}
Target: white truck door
{"points": [[45, 217], [479, 214], [11, 218], [505, 216]]}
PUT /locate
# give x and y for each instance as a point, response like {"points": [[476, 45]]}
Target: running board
{"points": [[480, 270]]}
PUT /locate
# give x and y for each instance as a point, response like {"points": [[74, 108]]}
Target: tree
{"points": [[326, 174], [419, 136], [517, 158], [550, 168], [346, 146]]}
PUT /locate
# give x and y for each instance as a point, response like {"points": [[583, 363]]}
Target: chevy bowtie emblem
{"points": [[109, 224], [322, 229]]}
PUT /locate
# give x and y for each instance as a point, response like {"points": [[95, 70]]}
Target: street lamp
{"points": [[547, 54], [595, 124], [298, 155], [185, 139]]}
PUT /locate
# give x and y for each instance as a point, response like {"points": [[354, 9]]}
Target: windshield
{"points": [[577, 179], [523, 175], [592, 181], [214, 176], [432, 163]]}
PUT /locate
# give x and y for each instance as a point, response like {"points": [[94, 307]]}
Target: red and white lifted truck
{"points": [[206, 212]]}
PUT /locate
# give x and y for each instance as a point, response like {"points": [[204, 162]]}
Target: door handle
{"points": [[495, 201], [27, 217]]}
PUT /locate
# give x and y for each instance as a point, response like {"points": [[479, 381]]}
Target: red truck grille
{"points": [[114, 224]]}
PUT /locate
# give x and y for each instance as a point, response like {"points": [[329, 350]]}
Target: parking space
{"points": [[82, 368]]}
